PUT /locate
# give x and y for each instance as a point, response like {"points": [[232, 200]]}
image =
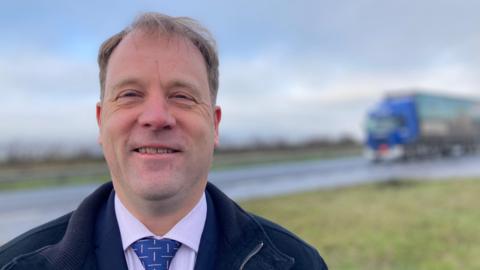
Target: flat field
{"points": [[402, 225], [56, 173]]}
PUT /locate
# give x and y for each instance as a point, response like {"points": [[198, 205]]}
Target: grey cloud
{"points": [[47, 76], [361, 34], [287, 68]]}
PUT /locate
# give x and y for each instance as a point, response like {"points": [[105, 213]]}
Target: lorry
{"points": [[415, 124]]}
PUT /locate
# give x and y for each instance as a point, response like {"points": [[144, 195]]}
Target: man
{"points": [[158, 125]]}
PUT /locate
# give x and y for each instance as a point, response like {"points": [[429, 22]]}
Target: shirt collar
{"points": [[187, 231]]}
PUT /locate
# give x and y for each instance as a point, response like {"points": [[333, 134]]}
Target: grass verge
{"points": [[52, 182], [226, 161], [396, 225]]}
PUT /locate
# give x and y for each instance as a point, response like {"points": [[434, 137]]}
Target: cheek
{"points": [[202, 136], [197, 119], [197, 124], [115, 126]]}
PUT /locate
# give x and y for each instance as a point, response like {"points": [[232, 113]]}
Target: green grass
{"points": [[225, 161], [42, 183], [398, 225]]}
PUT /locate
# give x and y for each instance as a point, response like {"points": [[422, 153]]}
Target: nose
{"points": [[156, 115]]}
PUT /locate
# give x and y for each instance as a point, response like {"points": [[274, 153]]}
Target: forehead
{"points": [[139, 51], [140, 41]]}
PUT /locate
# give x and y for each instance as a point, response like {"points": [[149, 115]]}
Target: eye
{"points": [[182, 98], [128, 94]]}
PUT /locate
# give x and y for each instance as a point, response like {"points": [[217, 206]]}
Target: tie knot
{"points": [[155, 254]]}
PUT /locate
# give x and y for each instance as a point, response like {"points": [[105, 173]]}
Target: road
{"points": [[22, 210]]}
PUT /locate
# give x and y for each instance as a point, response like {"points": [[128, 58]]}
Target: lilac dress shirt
{"points": [[187, 231]]}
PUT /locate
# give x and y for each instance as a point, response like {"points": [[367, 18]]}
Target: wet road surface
{"points": [[22, 210]]}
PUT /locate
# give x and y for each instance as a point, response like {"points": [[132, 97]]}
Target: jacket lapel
{"points": [[207, 250], [76, 249], [242, 242], [108, 244]]}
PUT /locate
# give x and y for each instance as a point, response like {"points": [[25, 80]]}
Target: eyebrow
{"points": [[183, 83], [125, 81], [171, 84]]}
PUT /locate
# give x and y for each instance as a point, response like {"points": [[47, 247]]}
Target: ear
{"points": [[99, 120], [217, 116]]}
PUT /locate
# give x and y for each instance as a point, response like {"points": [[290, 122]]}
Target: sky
{"points": [[289, 70]]}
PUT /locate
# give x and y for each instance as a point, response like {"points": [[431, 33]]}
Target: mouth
{"points": [[149, 150]]}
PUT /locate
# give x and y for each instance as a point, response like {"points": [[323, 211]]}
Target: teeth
{"points": [[153, 150]]}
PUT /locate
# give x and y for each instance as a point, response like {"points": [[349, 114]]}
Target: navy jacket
{"points": [[88, 238]]}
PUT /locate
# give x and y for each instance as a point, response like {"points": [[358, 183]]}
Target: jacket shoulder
{"points": [[305, 255], [34, 239]]}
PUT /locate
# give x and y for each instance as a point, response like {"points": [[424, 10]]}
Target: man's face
{"points": [[158, 126]]}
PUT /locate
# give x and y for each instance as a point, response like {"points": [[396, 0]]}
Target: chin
{"points": [[156, 196], [156, 189]]}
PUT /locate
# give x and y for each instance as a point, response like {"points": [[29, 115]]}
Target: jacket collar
{"points": [[243, 239], [77, 245], [109, 252]]}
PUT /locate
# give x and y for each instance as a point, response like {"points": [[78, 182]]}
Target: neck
{"points": [[161, 216]]}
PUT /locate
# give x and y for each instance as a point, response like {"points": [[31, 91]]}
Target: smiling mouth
{"points": [[155, 150]]}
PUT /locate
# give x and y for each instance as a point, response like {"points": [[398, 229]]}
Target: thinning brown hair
{"points": [[157, 23]]}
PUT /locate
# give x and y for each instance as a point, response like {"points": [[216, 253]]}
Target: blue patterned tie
{"points": [[156, 254]]}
